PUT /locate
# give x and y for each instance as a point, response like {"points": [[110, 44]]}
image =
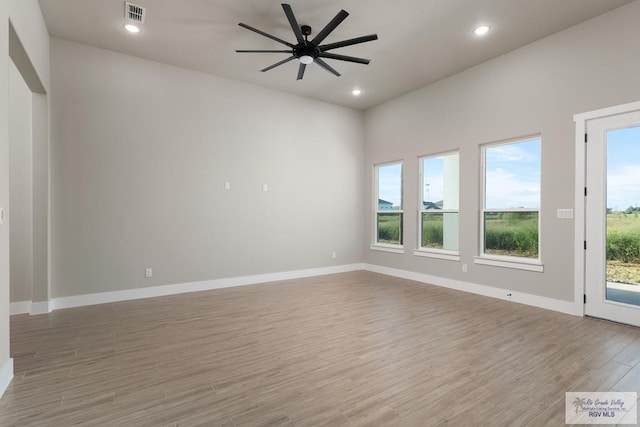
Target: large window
{"points": [[388, 205], [511, 200], [439, 205]]}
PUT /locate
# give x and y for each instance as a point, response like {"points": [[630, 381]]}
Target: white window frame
{"points": [[435, 252], [387, 247], [507, 261]]}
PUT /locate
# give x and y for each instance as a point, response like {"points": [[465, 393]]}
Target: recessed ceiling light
{"points": [[481, 30], [131, 28], [356, 92]]}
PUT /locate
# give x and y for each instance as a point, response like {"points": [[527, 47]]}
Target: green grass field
{"points": [[432, 231], [507, 233], [511, 233], [390, 228], [623, 247], [516, 234]]}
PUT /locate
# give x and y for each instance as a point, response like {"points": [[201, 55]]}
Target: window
{"points": [[388, 207], [510, 220], [439, 206]]}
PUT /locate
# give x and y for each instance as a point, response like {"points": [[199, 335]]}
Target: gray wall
{"points": [[4, 182], [535, 89], [141, 152], [29, 27], [28, 22], [20, 186], [29, 52]]}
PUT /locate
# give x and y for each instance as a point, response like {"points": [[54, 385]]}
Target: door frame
{"points": [[580, 199]]}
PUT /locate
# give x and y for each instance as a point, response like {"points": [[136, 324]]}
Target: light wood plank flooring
{"points": [[350, 349]]}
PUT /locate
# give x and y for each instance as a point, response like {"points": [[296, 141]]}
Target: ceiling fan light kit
{"points": [[309, 51]]}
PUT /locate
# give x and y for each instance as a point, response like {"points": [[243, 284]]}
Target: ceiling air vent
{"points": [[134, 13]]}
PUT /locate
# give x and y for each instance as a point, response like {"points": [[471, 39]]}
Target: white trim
{"points": [[39, 308], [608, 111], [519, 264], [157, 291], [6, 375], [447, 255], [579, 208], [483, 195], [579, 214], [29, 307], [426, 252], [20, 307], [567, 307], [376, 204], [597, 303], [386, 248], [499, 210]]}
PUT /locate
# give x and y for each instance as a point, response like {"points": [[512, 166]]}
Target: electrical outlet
{"points": [[148, 272], [333, 255], [464, 268], [227, 185], [1, 216], [265, 187]]}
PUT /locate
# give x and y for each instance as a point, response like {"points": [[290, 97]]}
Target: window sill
{"points": [[446, 255], [519, 264], [396, 249]]}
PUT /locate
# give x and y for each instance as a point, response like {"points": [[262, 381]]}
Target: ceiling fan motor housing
{"points": [[308, 50]]}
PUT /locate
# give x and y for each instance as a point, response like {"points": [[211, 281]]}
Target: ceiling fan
{"points": [[309, 51]]}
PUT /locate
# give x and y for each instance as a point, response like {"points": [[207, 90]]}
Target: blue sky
{"points": [[513, 175], [433, 185], [623, 168], [433, 171], [390, 183]]}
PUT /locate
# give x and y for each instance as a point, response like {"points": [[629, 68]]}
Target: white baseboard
{"points": [[20, 307], [158, 291], [39, 308], [28, 307], [6, 375], [567, 307], [561, 306]]}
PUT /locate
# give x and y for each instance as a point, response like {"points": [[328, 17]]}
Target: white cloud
{"points": [[511, 153], [623, 187], [510, 190]]}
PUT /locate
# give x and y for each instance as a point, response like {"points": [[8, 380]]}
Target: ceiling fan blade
{"points": [[294, 24], [349, 42], [262, 33], [326, 66], [264, 51], [345, 58], [341, 16], [301, 71], [277, 64]]}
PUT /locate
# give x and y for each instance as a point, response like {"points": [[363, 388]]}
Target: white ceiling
{"points": [[420, 41]]}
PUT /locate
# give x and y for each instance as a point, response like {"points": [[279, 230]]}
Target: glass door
{"points": [[612, 271]]}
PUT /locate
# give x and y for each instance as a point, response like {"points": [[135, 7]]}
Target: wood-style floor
{"points": [[350, 349]]}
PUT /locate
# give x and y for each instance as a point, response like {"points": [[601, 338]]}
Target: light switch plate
{"points": [[565, 214], [1, 216]]}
